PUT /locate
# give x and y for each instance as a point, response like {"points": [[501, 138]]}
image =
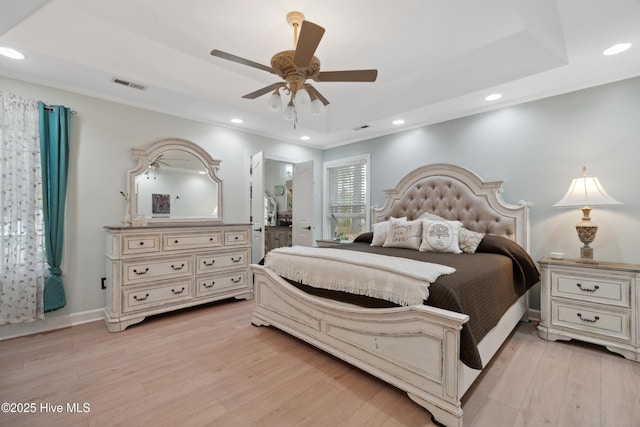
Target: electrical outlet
{"points": [[103, 283]]}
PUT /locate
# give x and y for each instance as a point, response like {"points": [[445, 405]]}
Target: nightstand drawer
{"points": [[609, 324], [593, 288]]}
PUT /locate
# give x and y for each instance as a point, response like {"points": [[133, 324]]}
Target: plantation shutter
{"points": [[347, 197]]}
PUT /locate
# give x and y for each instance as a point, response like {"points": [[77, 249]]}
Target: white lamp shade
{"points": [[302, 97], [317, 106], [586, 191], [275, 103], [289, 112]]}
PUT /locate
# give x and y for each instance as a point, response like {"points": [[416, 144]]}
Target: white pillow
{"points": [[403, 234], [380, 232], [468, 240], [440, 236]]}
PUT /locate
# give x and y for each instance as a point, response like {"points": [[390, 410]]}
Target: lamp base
{"points": [[586, 233], [586, 255]]}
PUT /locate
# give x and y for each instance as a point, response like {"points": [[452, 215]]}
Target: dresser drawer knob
{"points": [[137, 298], [141, 243], [209, 264], [209, 286], [175, 241], [211, 239], [140, 273], [177, 268], [177, 292], [586, 319], [236, 259], [595, 288]]}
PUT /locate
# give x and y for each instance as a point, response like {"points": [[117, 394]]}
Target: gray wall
{"points": [[102, 136], [536, 148]]}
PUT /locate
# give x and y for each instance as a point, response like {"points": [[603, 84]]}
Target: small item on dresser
{"points": [[557, 255]]}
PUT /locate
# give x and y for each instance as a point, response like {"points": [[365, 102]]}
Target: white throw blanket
{"points": [[399, 280]]}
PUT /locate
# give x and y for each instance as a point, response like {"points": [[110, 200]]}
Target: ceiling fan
{"points": [[297, 66]]}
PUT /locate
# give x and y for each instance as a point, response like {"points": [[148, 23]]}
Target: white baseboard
{"points": [[534, 315], [50, 324]]}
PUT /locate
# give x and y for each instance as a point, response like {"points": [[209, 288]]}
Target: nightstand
{"points": [[593, 302]]}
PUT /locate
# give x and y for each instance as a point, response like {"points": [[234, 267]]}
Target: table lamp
{"points": [[585, 192]]}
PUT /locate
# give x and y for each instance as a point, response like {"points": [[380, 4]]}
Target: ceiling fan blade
{"points": [[260, 92], [347, 76], [310, 36], [317, 94], [237, 59]]}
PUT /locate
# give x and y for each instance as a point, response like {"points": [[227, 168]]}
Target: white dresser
{"points": [[597, 303], [155, 269]]}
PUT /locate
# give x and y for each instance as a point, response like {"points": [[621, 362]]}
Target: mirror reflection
{"points": [[175, 180]]}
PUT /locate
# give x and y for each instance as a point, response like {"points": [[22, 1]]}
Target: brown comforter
{"points": [[484, 285]]}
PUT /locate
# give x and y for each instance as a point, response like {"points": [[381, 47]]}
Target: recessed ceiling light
{"points": [[236, 121], [305, 137], [398, 122], [617, 48], [493, 97], [11, 53]]}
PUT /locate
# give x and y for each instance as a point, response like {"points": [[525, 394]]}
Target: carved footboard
{"points": [[416, 348]]}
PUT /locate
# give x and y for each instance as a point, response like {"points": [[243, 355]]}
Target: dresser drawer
{"points": [[593, 288], [225, 261], [236, 237], [156, 269], [176, 242], [141, 298], [607, 323], [140, 244], [219, 284]]}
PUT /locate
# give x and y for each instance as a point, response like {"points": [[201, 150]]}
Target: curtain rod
{"points": [[48, 108]]}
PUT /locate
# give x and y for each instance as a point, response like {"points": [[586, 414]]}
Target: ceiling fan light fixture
{"points": [[290, 111], [275, 102]]}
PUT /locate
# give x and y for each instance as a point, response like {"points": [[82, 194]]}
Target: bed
{"points": [[418, 348]]}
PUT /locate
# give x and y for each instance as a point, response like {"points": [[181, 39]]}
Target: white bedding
{"points": [[399, 280]]}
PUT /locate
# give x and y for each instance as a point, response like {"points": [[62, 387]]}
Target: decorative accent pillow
{"points": [[469, 240], [440, 236], [380, 231], [431, 216], [403, 234]]}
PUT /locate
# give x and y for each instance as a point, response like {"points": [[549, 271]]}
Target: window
{"points": [[346, 197]]}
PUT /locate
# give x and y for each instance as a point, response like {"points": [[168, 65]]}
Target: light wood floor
{"points": [[209, 367]]}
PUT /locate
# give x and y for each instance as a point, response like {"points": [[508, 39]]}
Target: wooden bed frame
{"points": [[415, 348]]}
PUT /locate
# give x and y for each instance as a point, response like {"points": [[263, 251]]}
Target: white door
{"points": [[257, 207], [302, 228]]}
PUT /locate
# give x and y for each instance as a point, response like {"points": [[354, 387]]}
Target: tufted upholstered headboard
{"points": [[456, 193]]}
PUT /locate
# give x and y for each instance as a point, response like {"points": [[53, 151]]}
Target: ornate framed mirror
{"points": [[174, 181]]}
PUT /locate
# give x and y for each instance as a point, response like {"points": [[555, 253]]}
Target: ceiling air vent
{"points": [[361, 127], [129, 84]]}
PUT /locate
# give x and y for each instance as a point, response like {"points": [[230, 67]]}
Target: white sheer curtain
{"points": [[22, 261]]}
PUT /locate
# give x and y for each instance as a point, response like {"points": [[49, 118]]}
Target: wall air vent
{"points": [[129, 84], [361, 127]]}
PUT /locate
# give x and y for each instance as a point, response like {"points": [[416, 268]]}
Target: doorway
{"points": [[281, 203]]}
